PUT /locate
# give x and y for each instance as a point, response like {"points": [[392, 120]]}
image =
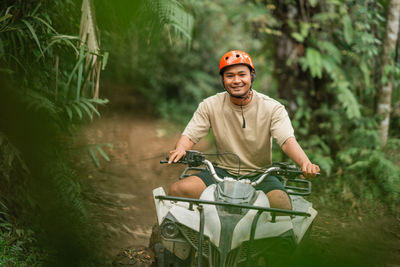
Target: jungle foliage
{"points": [[320, 58], [44, 98], [49, 71]]}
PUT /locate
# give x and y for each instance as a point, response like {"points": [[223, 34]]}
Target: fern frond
{"points": [[83, 106], [173, 14], [348, 100], [68, 189], [331, 50], [313, 62], [36, 101], [348, 29]]}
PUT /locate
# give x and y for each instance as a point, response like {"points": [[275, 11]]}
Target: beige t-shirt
{"points": [[265, 118]]}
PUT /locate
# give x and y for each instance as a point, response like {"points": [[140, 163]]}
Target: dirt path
{"points": [[120, 192], [119, 198]]}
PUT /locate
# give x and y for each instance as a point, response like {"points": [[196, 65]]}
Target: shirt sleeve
{"points": [[281, 126], [199, 125]]}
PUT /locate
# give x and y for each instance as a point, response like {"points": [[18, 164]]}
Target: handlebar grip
{"points": [[179, 161], [317, 174]]}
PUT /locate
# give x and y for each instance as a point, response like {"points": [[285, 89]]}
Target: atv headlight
{"points": [[169, 229]]}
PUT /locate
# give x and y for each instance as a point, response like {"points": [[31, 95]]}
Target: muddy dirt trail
{"points": [[118, 197], [119, 194]]}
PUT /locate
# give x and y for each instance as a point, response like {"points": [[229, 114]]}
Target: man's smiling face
{"points": [[237, 80]]}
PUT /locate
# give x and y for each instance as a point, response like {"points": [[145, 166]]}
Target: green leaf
{"points": [[80, 71], [313, 58], [84, 107], [324, 17], [388, 70], [69, 112], [325, 163], [8, 71], [384, 79], [38, 101], [173, 14], [36, 9], [5, 17], [305, 28], [102, 153], [58, 39], [105, 59], [329, 66], [19, 232], [348, 100], [347, 29], [94, 157], [331, 50], [80, 61], [313, 3], [366, 74], [91, 106], [66, 39], [78, 111], [298, 37], [33, 33], [45, 23], [99, 101]]}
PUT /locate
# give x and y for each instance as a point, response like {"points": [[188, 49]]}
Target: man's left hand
{"points": [[310, 170]]}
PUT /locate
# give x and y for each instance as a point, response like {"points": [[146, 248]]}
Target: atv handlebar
{"points": [[195, 158], [266, 172], [212, 171], [196, 162]]}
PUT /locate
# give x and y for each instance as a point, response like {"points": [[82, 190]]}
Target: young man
{"points": [[243, 122]]}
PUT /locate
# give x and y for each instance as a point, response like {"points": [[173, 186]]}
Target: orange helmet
{"points": [[235, 57]]}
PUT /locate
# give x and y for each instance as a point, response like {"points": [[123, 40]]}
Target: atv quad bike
{"points": [[231, 224]]}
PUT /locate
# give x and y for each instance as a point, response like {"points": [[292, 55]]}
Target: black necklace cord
{"points": [[244, 121], [241, 97], [241, 107]]}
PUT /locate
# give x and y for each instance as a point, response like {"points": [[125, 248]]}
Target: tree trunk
{"points": [[290, 77], [89, 36], [389, 45]]}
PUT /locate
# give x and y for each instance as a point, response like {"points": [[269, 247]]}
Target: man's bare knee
{"points": [[190, 187], [279, 199], [174, 189]]}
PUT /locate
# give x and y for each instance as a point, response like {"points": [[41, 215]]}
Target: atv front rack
{"points": [[260, 210]]}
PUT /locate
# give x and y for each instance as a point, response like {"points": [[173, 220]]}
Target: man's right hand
{"points": [[176, 155], [183, 144]]}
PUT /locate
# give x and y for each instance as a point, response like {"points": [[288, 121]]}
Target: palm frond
{"points": [[37, 101], [173, 14], [83, 106]]}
